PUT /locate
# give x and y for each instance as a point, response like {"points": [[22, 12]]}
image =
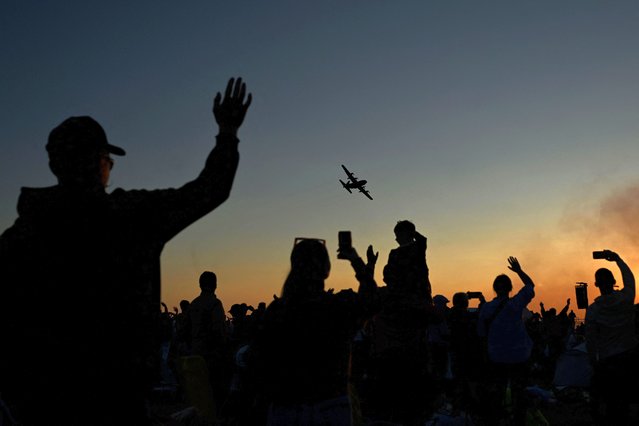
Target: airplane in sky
{"points": [[354, 183]]}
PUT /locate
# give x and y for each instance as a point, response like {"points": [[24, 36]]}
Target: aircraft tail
{"points": [[345, 187]]}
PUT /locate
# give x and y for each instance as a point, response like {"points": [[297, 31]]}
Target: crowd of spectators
{"points": [[378, 354], [397, 354]]}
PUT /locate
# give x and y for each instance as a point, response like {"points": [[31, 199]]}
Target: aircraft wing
{"points": [[349, 174], [365, 192]]}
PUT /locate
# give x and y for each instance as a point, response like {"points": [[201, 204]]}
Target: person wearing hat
{"points": [[440, 300], [80, 275]]}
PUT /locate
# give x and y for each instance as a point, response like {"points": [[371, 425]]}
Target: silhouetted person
{"points": [[183, 329], [507, 342], [439, 337], [611, 340], [406, 271], [465, 348], [303, 350], [181, 344], [240, 325], [258, 315], [399, 358], [95, 257], [556, 330], [209, 335]]}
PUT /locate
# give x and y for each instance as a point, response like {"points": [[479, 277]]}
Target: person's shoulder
{"points": [[627, 293], [274, 306], [526, 292], [31, 198], [394, 251], [217, 302], [121, 195], [39, 191], [490, 306], [197, 301]]}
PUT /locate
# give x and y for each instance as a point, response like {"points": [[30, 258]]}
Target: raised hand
{"points": [[230, 111], [347, 252], [514, 265], [371, 256], [611, 256]]}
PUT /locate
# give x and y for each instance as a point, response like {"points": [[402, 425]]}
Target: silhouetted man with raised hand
{"points": [[80, 275]]}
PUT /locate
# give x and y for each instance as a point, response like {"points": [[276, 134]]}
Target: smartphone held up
{"points": [[601, 254], [345, 242]]}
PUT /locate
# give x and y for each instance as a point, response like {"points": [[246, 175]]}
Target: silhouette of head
{"points": [[208, 281], [79, 153], [310, 266], [460, 300], [440, 300], [404, 232], [184, 305], [238, 310], [502, 285], [605, 280], [552, 312]]}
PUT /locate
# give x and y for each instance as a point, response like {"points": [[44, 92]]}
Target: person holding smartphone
{"points": [[303, 350], [611, 340]]}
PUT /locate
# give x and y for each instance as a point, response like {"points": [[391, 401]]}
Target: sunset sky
{"points": [[498, 127]]}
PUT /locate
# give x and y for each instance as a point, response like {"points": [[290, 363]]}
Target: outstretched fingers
{"points": [[230, 109], [236, 94], [237, 89], [371, 254], [229, 88], [513, 264], [249, 99], [242, 92]]}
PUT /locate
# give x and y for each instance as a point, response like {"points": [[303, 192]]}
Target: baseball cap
{"points": [[80, 134], [440, 299]]}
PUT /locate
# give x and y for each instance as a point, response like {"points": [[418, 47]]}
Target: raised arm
{"points": [[627, 276], [171, 210], [564, 311], [513, 265], [371, 259], [363, 273], [215, 181], [421, 241]]}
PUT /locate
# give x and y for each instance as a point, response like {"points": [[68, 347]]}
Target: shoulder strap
{"points": [[488, 321]]}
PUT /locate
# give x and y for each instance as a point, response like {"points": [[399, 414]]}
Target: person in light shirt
{"points": [[508, 344]]}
